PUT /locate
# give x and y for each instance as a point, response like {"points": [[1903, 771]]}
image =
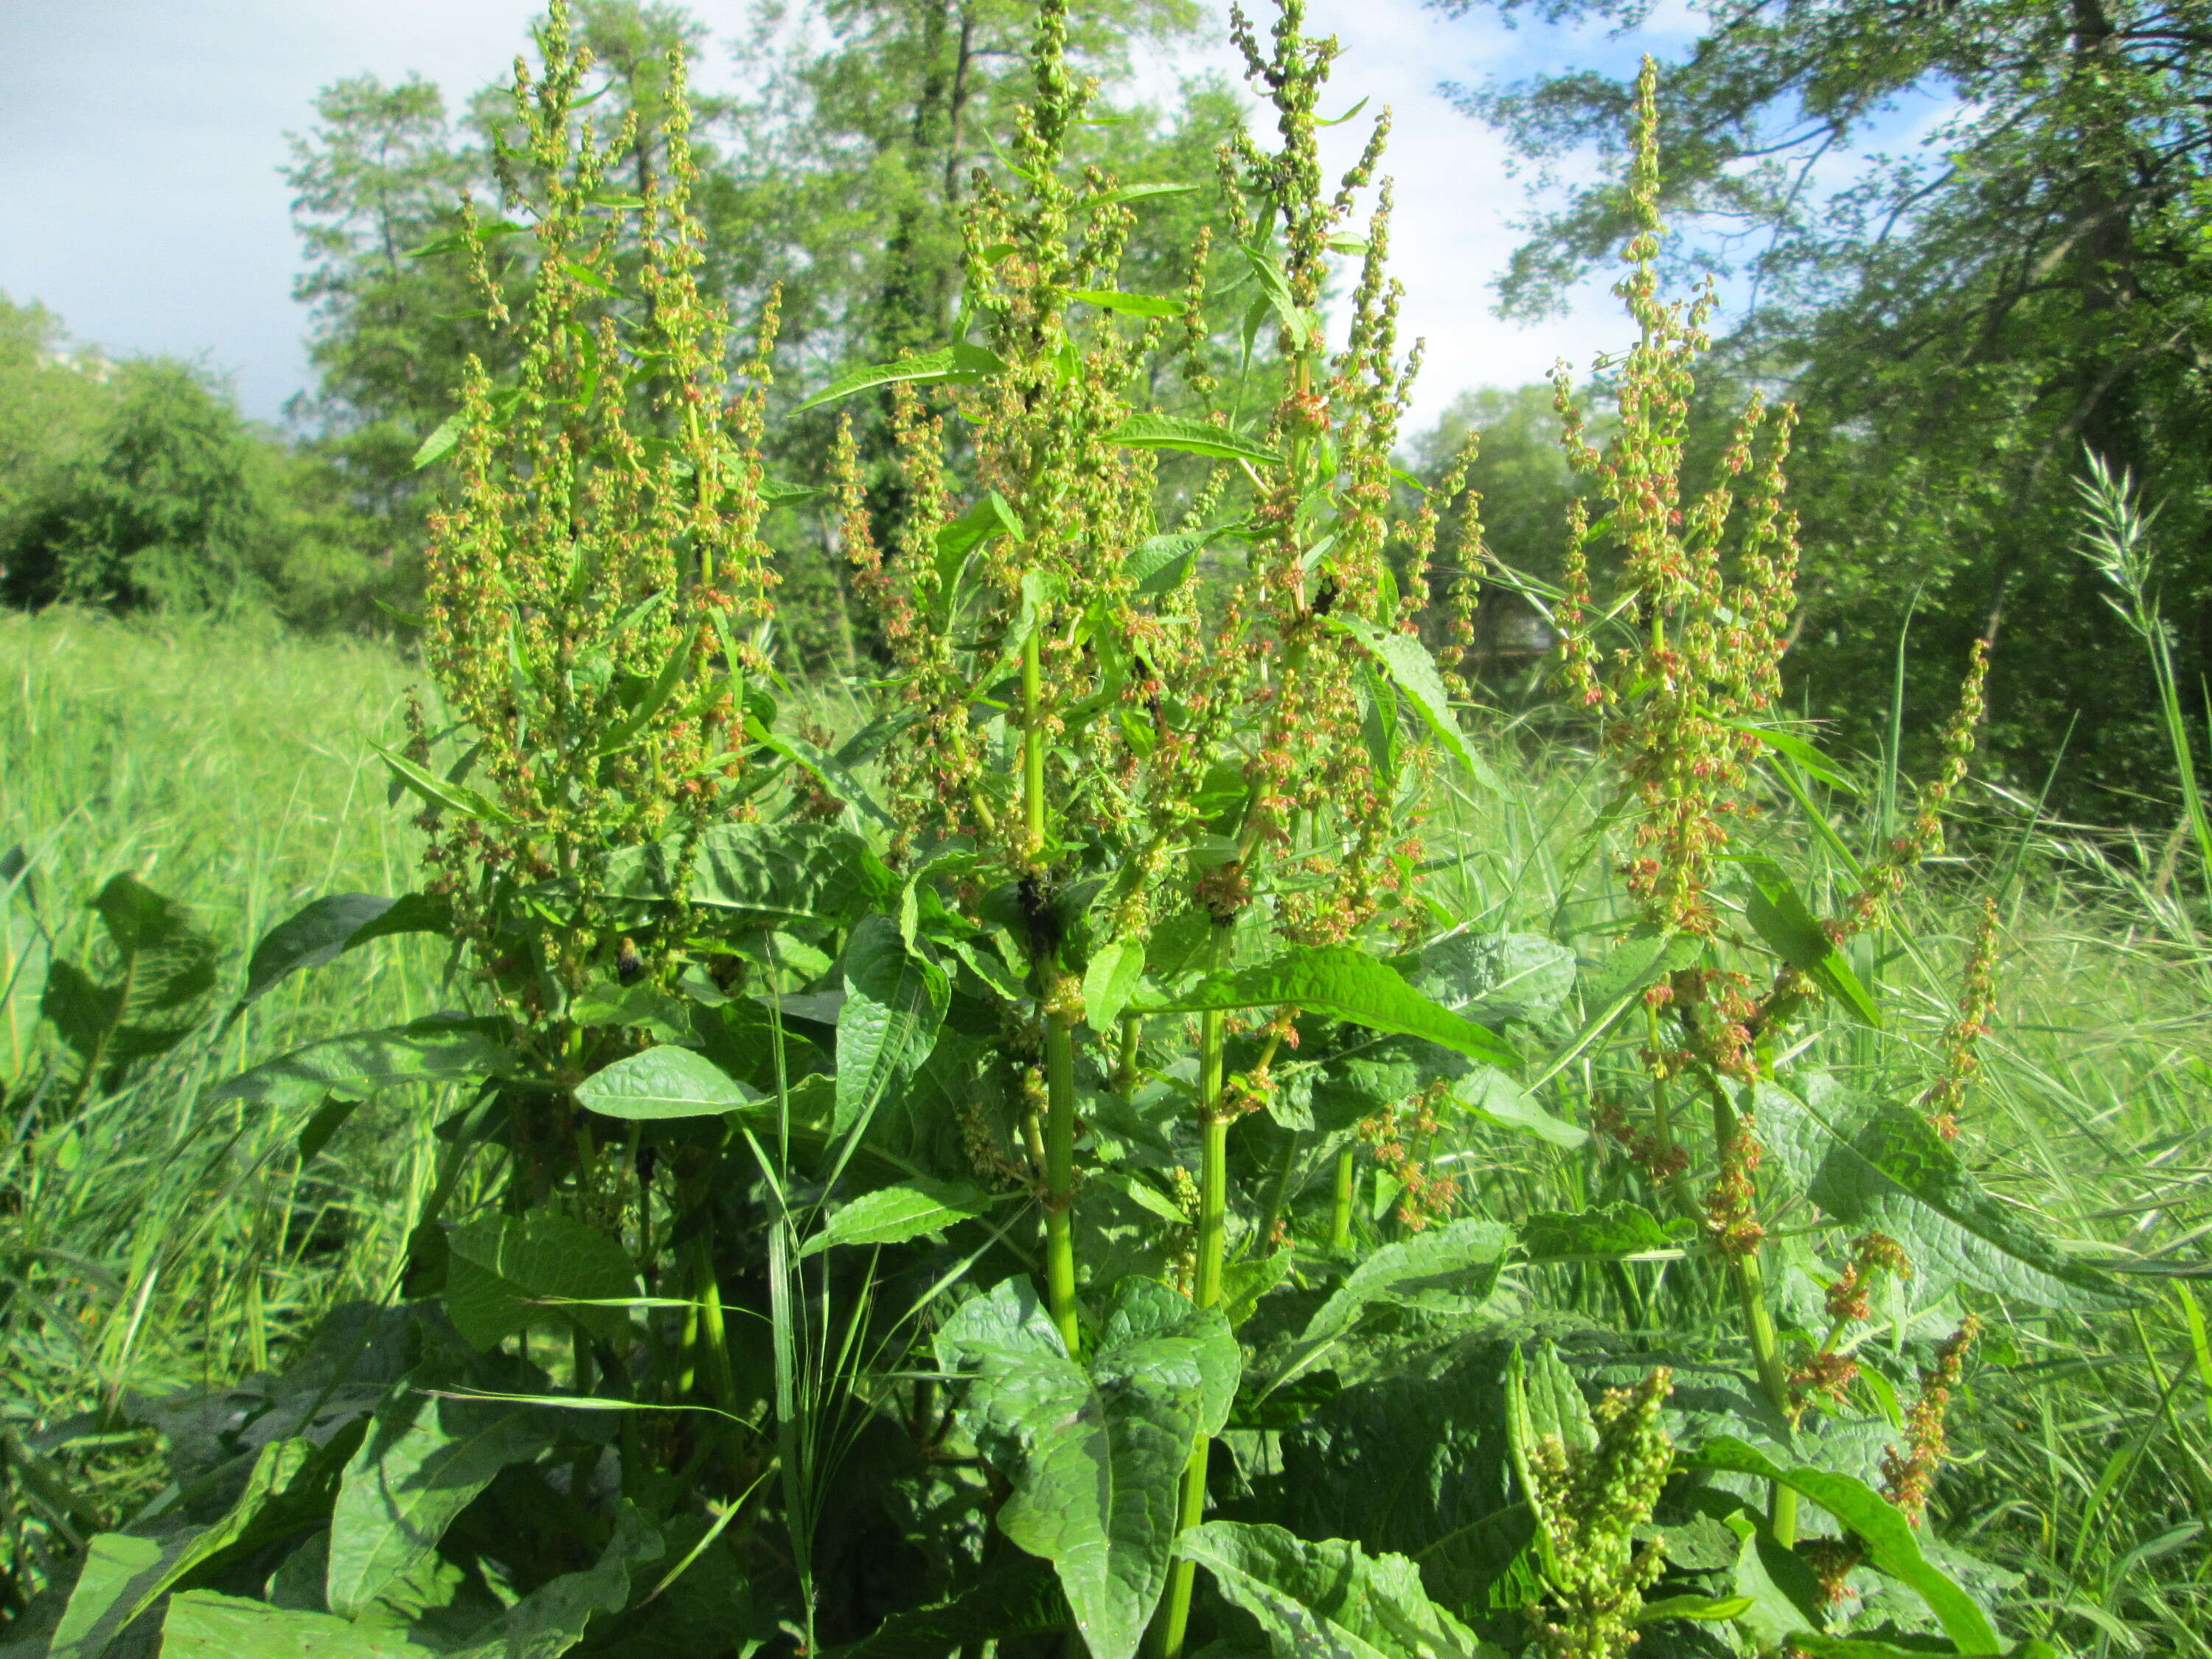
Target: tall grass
{"points": [[149, 1245]]}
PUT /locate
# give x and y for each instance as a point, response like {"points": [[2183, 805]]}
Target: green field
{"points": [[156, 1246]]}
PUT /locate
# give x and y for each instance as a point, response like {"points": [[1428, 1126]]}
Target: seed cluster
{"points": [[1961, 1049], [596, 590], [1590, 1501]]}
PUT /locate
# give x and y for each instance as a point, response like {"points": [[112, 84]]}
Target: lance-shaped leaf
{"points": [[423, 1462], [508, 1272], [1409, 665], [892, 1215], [329, 928], [1344, 982], [960, 363], [767, 875], [895, 1002], [1891, 1544], [1621, 1230], [440, 1048], [1889, 1171], [1329, 1600], [1110, 980], [1790, 929], [1194, 437], [1497, 1098], [1133, 305], [1096, 1455], [663, 1081]]}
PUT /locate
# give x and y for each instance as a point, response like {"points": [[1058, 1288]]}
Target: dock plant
{"points": [[1044, 1169]]}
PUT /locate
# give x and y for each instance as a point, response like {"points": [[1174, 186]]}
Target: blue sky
{"points": [[139, 144]]}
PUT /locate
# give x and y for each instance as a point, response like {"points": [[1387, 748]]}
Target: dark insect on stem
{"points": [[1325, 597], [1038, 913]]}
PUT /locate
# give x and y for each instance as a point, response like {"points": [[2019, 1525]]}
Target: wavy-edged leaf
{"points": [[767, 874], [439, 1049], [895, 1002], [1409, 665], [663, 1081], [1621, 1230], [423, 1462], [1343, 983], [1452, 1269], [1328, 1599], [1888, 1170], [960, 362], [1194, 437], [1096, 1456], [1890, 1541], [507, 1272], [892, 1215]]}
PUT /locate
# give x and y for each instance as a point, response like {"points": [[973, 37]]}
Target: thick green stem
{"points": [[1205, 1289], [1032, 746], [1059, 1179], [1339, 1206]]}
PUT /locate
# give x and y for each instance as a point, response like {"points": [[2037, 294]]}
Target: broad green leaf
{"points": [[1329, 1600], [1135, 305], [1543, 1402], [329, 928], [1344, 982], [442, 1048], [1496, 1098], [423, 1462], [507, 1272], [1618, 1230], [961, 362], [110, 1588], [1780, 917], [1785, 1598], [1022, 1598], [552, 1619], [1195, 437], [1413, 670], [202, 1624], [1452, 1269], [895, 1002], [318, 1131], [1096, 1457], [1891, 1544], [833, 774], [643, 1006], [1889, 1171], [663, 1081], [1109, 981], [892, 1215], [769, 875]]}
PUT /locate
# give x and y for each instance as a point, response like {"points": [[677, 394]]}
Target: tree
{"points": [[1956, 327], [175, 508]]}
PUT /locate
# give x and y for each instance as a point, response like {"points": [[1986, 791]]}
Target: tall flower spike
{"points": [[1962, 1038]]}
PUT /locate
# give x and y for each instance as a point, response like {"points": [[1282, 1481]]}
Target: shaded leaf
{"points": [[1452, 1269], [202, 1624], [552, 1617], [1780, 917], [1022, 1598], [1619, 1230], [895, 1002], [508, 1272]]}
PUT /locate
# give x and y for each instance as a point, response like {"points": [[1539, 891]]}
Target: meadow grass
{"points": [[155, 1244]]}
